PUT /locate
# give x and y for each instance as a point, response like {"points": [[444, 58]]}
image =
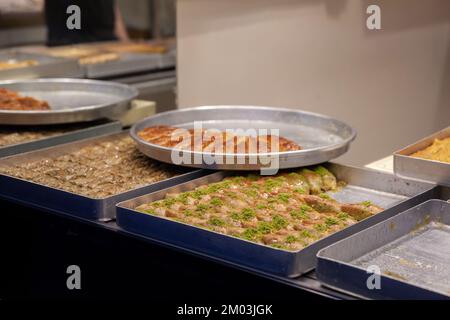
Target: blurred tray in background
{"points": [[70, 100], [411, 167], [92, 203], [41, 66], [20, 139], [410, 251]]}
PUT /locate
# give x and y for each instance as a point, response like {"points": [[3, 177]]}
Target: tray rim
{"points": [[286, 159], [111, 127], [172, 222], [139, 62]]}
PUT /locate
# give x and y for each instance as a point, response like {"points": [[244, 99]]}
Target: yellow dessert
{"points": [[439, 151]]}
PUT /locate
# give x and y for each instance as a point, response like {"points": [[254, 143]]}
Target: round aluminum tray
{"points": [[70, 100], [322, 138]]}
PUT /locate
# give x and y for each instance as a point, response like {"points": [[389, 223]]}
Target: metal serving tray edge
{"points": [[268, 259], [64, 202], [323, 138], [422, 169], [48, 66], [79, 134], [337, 269]]}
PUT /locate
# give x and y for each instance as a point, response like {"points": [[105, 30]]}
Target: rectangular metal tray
{"points": [[128, 63], [79, 132], [321, 138], [55, 200], [48, 66], [422, 169], [383, 189], [410, 252]]}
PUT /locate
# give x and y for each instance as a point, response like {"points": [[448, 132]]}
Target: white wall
{"points": [[393, 85]]}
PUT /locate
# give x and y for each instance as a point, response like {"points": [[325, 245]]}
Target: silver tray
{"points": [[322, 138], [128, 63], [411, 251], [383, 189], [79, 132], [63, 202], [167, 59], [47, 67], [423, 169], [71, 100]]}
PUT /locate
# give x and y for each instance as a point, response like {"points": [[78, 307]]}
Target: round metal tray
{"points": [[70, 100], [322, 138]]}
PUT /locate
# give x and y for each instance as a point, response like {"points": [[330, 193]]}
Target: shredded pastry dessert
{"points": [[98, 170], [136, 48]]}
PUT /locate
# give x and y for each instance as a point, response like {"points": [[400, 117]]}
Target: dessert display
{"points": [[10, 137], [85, 56], [168, 136], [11, 100]]}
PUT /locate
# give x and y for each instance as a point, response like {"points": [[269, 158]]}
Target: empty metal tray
{"points": [[410, 253]]}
